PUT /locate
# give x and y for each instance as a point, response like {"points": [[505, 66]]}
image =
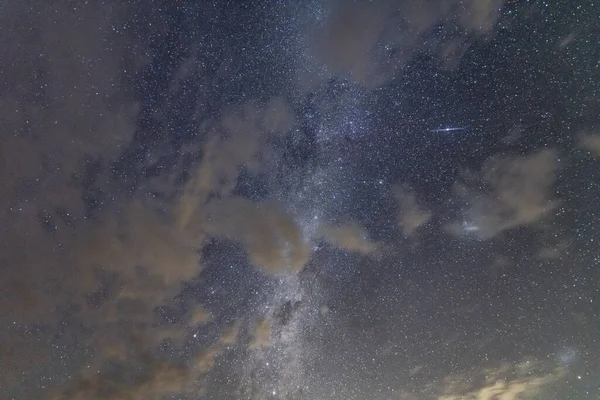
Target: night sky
{"points": [[300, 200]]}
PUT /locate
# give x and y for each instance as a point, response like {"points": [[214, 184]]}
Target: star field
{"points": [[390, 200]]}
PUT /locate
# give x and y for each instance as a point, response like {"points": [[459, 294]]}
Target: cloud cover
{"points": [[116, 269], [370, 41]]}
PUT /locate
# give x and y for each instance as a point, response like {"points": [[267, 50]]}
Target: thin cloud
{"points": [[411, 215], [261, 335], [591, 143], [350, 236], [157, 378], [370, 41], [270, 236], [507, 382], [199, 316], [65, 102], [147, 377], [115, 270], [510, 192], [65, 106]]}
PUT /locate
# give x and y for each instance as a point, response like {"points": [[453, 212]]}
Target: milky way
{"points": [[392, 200]]}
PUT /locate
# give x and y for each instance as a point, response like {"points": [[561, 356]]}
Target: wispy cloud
{"points": [[370, 41], [507, 382], [349, 236], [590, 142], [411, 215], [509, 192]]}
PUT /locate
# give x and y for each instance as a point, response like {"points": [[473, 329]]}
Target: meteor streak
{"points": [[446, 129]]}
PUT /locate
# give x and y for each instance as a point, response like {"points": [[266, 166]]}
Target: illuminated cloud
{"points": [[144, 257], [591, 143], [198, 316], [350, 50], [510, 192], [370, 41], [238, 142], [157, 378], [144, 254], [66, 109], [507, 382], [500, 264], [65, 103], [271, 238], [146, 376], [350, 236], [261, 335], [555, 251], [137, 255], [411, 215], [204, 361], [230, 336]]}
